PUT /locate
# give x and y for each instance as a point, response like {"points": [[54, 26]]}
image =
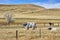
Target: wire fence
{"points": [[44, 33]]}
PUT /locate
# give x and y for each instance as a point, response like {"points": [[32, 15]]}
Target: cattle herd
{"points": [[32, 25]]}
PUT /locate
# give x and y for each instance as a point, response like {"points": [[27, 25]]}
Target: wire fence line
{"points": [[47, 33], [44, 32]]}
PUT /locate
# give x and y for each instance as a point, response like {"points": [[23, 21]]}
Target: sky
{"points": [[44, 3]]}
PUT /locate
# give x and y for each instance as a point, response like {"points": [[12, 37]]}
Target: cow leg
{"points": [[33, 27], [27, 27]]}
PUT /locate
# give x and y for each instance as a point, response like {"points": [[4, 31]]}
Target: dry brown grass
{"points": [[29, 13], [40, 33]]}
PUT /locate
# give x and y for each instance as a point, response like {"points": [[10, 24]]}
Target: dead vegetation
{"points": [[29, 13]]}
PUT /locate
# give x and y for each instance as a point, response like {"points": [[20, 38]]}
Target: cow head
{"points": [[24, 24]]}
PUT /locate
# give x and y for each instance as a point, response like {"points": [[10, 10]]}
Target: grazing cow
{"points": [[52, 29], [51, 24], [28, 25]]}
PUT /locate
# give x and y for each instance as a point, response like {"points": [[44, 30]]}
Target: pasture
{"points": [[29, 13], [8, 32], [40, 33]]}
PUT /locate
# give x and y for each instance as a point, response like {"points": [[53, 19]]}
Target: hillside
{"points": [[21, 7], [29, 11]]}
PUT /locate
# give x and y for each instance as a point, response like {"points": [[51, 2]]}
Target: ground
{"points": [[29, 13], [40, 33]]}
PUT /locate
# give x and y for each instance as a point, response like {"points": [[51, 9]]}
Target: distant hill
{"points": [[29, 11], [21, 7]]}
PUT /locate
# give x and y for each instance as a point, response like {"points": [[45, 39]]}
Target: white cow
{"points": [[28, 25], [52, 28]]}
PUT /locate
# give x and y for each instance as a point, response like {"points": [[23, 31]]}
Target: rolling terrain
{"points": [[29, 13]]}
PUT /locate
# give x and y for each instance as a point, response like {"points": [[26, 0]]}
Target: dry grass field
{"points": [[40, 33], [29, 13]]}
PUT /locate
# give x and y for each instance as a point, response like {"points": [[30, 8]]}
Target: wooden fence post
{"points": [[44, 24], [58, 24], [16, 34]]}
